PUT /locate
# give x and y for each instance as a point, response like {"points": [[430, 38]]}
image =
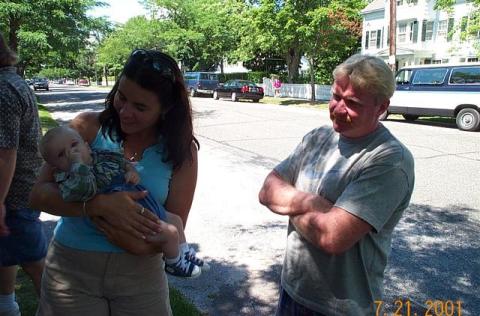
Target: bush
{"points": [[255, 76]]}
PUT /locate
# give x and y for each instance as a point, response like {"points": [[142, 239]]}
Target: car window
{"points": [[190, 76], [212, 76], [465, 75], [430, 76], [404, 76]]}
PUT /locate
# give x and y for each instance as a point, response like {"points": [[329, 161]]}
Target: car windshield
{"points": [[246, 83]]}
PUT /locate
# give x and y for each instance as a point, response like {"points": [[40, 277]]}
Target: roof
{"points": [[476, 64], [375, 5]]}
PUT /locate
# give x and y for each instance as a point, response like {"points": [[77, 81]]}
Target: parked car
{"points": [[83, 82], [41, 83], [440, 89], [238, 89], [201, 82]]}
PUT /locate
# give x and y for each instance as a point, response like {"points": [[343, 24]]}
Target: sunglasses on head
{"points": [[156, 61]]}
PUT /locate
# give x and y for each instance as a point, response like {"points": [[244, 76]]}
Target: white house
{"points": [[423, 35]]}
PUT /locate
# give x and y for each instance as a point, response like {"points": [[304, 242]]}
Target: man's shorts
{"points": [[288, 307], [26, 242]]}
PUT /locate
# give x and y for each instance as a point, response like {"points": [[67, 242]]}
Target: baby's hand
{"points": [[132, 177]]}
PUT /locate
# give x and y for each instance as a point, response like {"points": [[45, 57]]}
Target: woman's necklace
{"points": [[135, 157]]}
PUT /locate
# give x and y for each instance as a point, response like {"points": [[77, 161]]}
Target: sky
{"points": [[120, 10]]}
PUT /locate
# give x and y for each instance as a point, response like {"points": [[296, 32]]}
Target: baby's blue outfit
{"points": [[155, 174]]}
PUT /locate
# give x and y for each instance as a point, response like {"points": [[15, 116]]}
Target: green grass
{"points": [[46, 119], [295, 102], [24, 289]]}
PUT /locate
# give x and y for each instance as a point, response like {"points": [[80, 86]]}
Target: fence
{"points": [[298, 91]]}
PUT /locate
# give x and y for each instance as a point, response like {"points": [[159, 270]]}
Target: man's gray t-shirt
{"points": [[372, 178]]}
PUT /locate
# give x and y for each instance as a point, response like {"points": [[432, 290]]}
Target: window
{"points": [[413, 31], [442, 29], [373, 39], [427, 30], [190, 76], [472, 60], [403, 76], [430, 76], [402, 32], [464, 75]]}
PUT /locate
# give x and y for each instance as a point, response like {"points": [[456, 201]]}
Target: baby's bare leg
{"points": [[176, 221], [170, 243]]}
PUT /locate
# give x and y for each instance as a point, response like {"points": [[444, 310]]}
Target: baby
{"points": [[81, 173]]}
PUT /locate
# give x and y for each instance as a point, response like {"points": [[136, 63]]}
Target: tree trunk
{"points": [[106, 75], [293, 62], [312, 78], [14, 25]]}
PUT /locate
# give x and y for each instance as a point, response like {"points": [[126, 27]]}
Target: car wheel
{"points": [[193, 93], [410, 117], [215, 95], [255, 100], [383, 116], [234, 97], [468, 119]]}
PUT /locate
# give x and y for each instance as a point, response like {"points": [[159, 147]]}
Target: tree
{"points": [[469, 28], [330, 34], [199, 32], [44, 30]]}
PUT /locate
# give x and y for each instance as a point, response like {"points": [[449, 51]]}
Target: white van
{"points": [[439, 90]]}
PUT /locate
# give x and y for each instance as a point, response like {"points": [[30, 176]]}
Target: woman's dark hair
{"points": [[7, 56], [159, 73]]}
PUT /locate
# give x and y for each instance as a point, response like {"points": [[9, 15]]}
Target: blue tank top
{"points": [[155, 174]]}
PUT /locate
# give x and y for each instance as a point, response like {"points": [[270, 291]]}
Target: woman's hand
{"points": [[123, 239], [121, 210]]}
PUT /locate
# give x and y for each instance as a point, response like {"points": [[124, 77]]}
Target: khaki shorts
{"points": [[77, 282]]}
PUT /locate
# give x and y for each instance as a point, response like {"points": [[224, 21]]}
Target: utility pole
{"points": [[392, 35]]}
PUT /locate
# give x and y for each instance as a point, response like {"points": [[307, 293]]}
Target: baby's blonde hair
{"points": [[50, 136]]}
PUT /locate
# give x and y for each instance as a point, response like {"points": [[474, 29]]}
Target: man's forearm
{"points": [[283, 198]]}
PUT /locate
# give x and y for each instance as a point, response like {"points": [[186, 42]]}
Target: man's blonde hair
{"points": [[367, 73]]}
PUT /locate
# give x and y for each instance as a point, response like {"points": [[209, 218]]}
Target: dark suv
{"points": [[40, 84], [201, 82]]}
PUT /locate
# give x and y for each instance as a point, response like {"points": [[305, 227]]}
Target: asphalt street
{"points": [[435, 255]]}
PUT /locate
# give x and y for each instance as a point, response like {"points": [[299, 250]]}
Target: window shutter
{"points": [[424, 30], [383, 33], [450, 28], [415, 31], [366, 39], [379, 37], [388, 35], [463, 26]]}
